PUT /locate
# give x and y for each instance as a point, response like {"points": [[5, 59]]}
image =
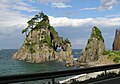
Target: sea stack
{"points": [[42, 41], [94, 48], [116, 43]]}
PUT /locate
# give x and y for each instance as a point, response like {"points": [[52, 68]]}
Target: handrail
{"points": [[52, 75]]}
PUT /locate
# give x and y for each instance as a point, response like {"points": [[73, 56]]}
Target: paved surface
{"points": [[108, 81]]}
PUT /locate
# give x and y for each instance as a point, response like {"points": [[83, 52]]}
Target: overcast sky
{"points": [[72, 19]]}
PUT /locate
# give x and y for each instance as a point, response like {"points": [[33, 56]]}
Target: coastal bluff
{"points": [[42, 43], [94, 48]]}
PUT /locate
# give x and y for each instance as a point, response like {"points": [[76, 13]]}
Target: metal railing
{"points": [[53, 75]]}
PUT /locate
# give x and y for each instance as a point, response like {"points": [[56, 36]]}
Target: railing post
{"points": [[105, 72], [53, 80]]}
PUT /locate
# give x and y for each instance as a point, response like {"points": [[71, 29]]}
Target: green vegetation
{"points": [[67, 41], [30, 46], [37, 21], [45, 17], [113, 55], [31, 50], [42, 24], [97, 34], [47, 40], [89, 40], [53, 32], [25, 31]]}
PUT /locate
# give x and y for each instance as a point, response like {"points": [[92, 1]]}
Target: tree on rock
{"points": [[42, 41], [40, 18]]}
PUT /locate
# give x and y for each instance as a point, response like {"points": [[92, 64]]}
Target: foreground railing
{"points": [[53, 75]]}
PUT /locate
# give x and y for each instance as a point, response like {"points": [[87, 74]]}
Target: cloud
{"points": [[67, 22], [104, 5], [17, 5], [11, 17], [23, 8], [55, 3], [115, 15], [64, 21], [88, 8], [3, 5], [78, 30], [60, 5], [51, 1], [107, 4]]}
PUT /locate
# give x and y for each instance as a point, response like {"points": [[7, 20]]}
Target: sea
{"points": [[9, 66]]}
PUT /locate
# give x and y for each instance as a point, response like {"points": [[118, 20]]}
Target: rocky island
{"points": [[95, 53], [116, 43], [114, 55], [94, 48], [42, 42]]}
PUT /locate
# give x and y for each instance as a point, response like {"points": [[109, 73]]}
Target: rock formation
{"points": [[94, 48], [42, 41], [116, 43]]}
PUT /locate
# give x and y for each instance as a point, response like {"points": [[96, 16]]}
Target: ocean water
{"points": [[9, 66]]}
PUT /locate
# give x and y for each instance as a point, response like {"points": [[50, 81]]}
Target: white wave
{"points": [[75, 58]]}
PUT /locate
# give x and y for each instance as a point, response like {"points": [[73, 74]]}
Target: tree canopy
{"points": [[34, 21]]}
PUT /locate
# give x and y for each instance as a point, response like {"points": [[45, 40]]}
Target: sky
{"points": [[72, 19]]}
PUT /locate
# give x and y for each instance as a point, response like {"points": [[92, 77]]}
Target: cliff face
{"points": [[41, 45], [94, 48], [116, 43]]}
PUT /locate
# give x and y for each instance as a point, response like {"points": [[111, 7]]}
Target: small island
{"points": [[42, 42], [94, 48]]}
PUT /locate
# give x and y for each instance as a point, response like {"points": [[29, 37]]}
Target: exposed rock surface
{"points": [[103, 60], [41, 44], [94, 48], [116, 43]]}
